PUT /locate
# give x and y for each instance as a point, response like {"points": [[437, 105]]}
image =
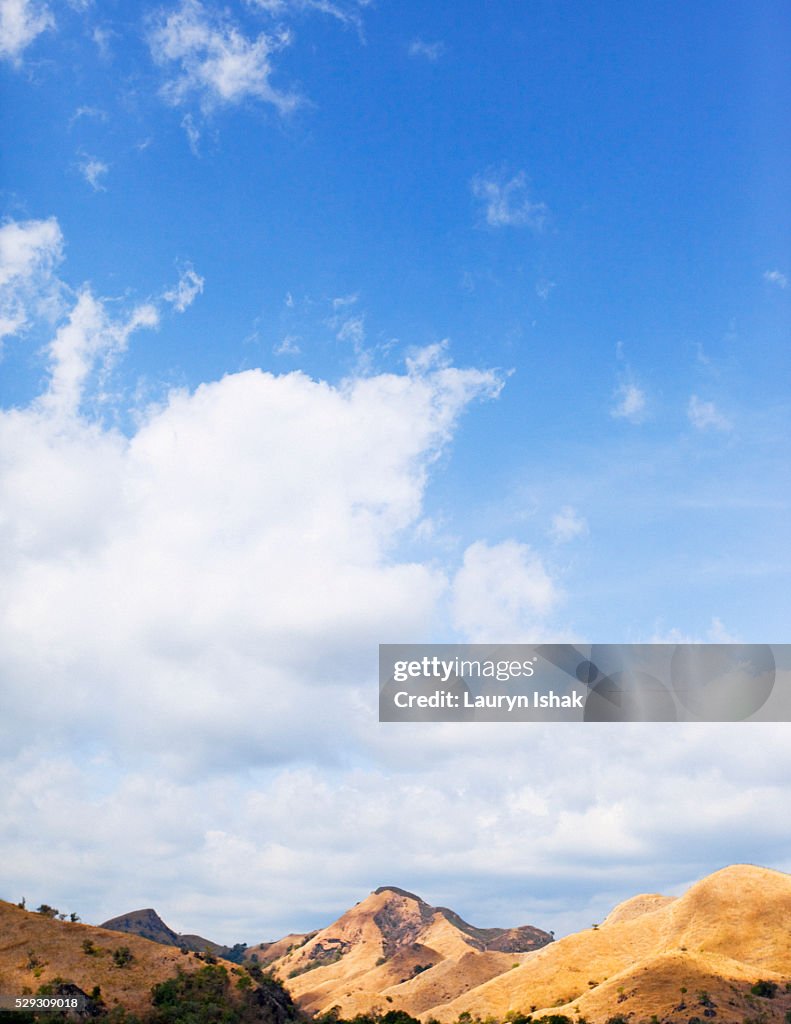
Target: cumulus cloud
{"points": [[21, 21], [189, 287], [427, 51], [567, 525], [502, 593], [245, 530], [188, 662], [214, 60], [506, 201], [776, 277], [630, 403], [705, 415]]}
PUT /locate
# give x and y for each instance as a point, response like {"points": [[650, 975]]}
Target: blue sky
{"points": [[330, 322]]}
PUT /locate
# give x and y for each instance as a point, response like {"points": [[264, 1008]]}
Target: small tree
{"points": [[122, 956]]}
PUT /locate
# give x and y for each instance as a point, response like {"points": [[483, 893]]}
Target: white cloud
{"points": [[101, 38], [21, 21], [345, 300], [507, 202], [89, 112], [544, 288], [28, 248], [705, 415], [502, 593], [427, 51], [353, 330], [567, 524], [288, 346], [349, 13], [630, 403], [216, 61], [88, 340], [776, 277], [717, 633], [93, 171], [247, 530], [188, 665], [29, 251], [189, 287], [192, 132]]}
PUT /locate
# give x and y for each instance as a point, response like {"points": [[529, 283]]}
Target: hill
{"points": [[121, 971], [697, 956], [395, 947], [149, 925]]}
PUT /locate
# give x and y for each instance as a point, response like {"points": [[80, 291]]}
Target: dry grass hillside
{"points": [[395, 948], [35, 950], [694, 959], [726, 933]]}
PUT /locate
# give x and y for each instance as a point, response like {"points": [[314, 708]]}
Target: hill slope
{"points": [[36, 950], [724, 934], [384, 948], [149, 925]]}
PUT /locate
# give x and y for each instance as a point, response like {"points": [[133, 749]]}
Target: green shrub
{"points": [[123, 956], [765, 989]]}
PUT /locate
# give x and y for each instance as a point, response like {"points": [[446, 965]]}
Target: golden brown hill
{"points": [[726, 933], [265, 953], [36, 950], [394, 947]]}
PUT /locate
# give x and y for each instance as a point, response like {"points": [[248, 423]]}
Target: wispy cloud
{"points": [[93, 171], [288, 346], [776, 277], [630, 403], [95, 113], [101, 38], [189, 287], [567, 525], [21, 21], [29, 251], [544, 288], [507, 202], [426, 51], [705, 415], [214, 60], [192, 132], [349, 12], [353, 329]]}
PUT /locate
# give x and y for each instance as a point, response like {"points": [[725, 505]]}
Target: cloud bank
{"points": [[190, 615]]}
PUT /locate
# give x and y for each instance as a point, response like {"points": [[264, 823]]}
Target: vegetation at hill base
{"points": [[209, 995]]}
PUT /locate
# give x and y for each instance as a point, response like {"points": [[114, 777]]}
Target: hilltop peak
{"points": [[398, 892]]}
